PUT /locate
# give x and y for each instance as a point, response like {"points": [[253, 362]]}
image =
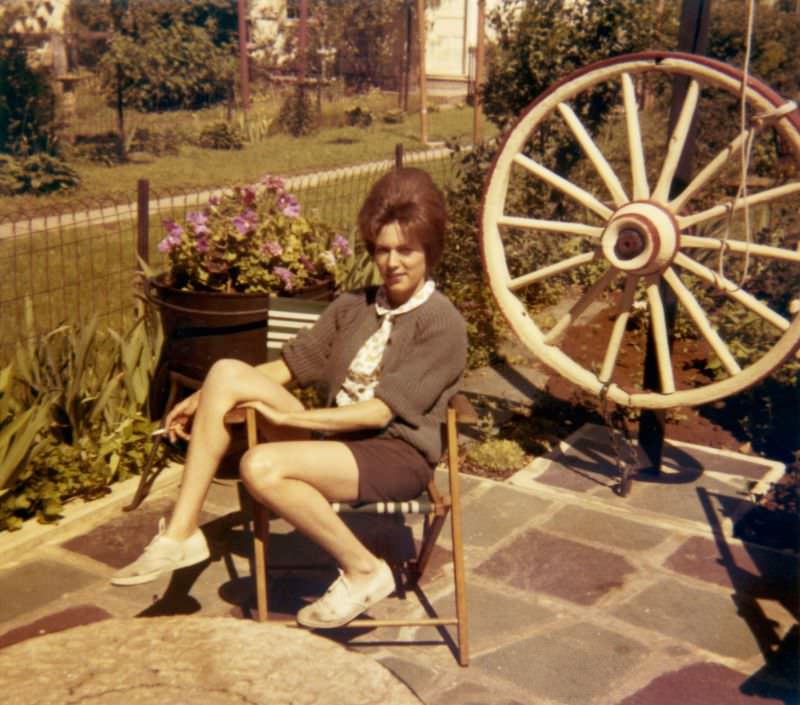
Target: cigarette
{"points": [[159, 432]]}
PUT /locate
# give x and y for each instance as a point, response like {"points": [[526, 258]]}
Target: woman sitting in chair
{"points": [[389, 360]]}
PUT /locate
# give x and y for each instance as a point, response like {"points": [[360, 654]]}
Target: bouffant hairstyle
{"points": [[409, 197]]}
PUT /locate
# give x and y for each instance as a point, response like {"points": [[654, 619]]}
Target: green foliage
{"points": [[164, 56], [36, 174], [358, 32], [156, 142], [393, 117], [86, 419], [358, 116], [103, 147], [297, 116], [460, 273], [540, 41], [497, 454], [221, 135], [20, 429], [27, 105], [776, 37]]}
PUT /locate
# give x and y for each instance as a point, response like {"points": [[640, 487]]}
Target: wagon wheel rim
{"points": [[644, 235]]}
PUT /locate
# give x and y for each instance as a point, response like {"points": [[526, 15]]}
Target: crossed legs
{"points": [[296, 478]]}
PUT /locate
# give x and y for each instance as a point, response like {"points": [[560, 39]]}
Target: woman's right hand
{"points": [[177, 421]]}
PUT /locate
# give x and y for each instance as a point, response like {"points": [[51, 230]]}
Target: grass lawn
{"points": [[195, 167]]}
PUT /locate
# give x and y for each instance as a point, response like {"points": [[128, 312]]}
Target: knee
{"points": [[260, 473], [222, 372]]}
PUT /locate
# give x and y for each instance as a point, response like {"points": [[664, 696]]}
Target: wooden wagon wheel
{"points": [[639, 237]]}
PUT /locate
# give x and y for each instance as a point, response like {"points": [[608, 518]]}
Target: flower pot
{"points": [[201, 327]]}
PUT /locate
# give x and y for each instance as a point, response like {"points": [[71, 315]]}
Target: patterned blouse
{"points": [[365, 369]]}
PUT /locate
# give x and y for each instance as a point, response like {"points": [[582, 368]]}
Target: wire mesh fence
{"points": [[64, 267]]}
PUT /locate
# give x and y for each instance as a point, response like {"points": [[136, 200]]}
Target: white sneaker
{"points": [[342, 602], [163, 555]]}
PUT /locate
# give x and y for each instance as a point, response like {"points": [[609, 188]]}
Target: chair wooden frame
{"points": [[435, 507]]}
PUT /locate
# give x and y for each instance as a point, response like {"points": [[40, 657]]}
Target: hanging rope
{"points": [[745, 155]]}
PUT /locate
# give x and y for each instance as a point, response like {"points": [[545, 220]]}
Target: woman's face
{"points": [[400, 259]]}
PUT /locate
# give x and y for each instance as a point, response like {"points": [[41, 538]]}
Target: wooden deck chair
{"points": [[432, 504]]}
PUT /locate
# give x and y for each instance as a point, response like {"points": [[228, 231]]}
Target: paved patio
{"points": [[576, 595]]}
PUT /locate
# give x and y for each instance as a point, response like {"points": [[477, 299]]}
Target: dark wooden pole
{"points": [[692, 38], [423, 73], [143, 219], [477, 118], [244, 72]]}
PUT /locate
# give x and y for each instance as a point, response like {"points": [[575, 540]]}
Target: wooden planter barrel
{"points": [[201, 327]]}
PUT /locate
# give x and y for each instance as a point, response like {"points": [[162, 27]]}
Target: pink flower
{"points": [[272, 248], [289, 205], [286, 276], [214, 200], [173, 238], [202, 244], [248, 195], [341, 246], [245, 222], [198, 221], [273, 183]]}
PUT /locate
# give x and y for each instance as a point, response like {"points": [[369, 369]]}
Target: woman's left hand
{"points": [[272, 415]]}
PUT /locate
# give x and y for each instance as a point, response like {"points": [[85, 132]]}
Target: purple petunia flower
{"points": [[341, 246], [198, 221], [214, 200], [248, 195], [289, 205], [245, 222], [202, 244], [273, 183], [307, 263], [273, 248], [173, 238], [286, 276]]}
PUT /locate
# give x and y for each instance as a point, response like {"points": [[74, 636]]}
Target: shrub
{"points": [[497, 454], [358, 116], [104, 148], [36, 174], [155, 142], [394, 117], [221, 135], [297, 116]]}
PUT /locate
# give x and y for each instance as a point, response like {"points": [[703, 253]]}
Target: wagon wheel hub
{"points": [[640, 238]]}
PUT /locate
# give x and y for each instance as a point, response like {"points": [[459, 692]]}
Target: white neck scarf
{"points": [[364, 371]]}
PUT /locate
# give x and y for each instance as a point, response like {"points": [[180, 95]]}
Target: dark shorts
{"points": [[389, 469]]}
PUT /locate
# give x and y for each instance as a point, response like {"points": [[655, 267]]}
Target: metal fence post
{"points": [[398, 156]]}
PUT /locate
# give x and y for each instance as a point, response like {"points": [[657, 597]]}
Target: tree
{"points": [[168, 54], [540, 41]]}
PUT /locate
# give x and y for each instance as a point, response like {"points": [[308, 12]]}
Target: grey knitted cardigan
{"points": [[421, 368]]}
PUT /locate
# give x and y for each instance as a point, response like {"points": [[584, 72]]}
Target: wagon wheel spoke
{"points": [[740, 247], [677, 141], [709, 171], [594, 154], [733, 291], [567, 187], [641, 189], [701, 321], [715, 212], [550, 270], [593, 292], [553, 226], [618, 331], [658, 322]]}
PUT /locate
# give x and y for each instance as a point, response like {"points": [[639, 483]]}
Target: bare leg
{"points": [[228, 383], [298, 480]]}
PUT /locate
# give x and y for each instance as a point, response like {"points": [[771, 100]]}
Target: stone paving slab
{"points": [[709, 619], [708, 684], [570, 665], [38, 582], [605, 528], [700, 489], [537, 561]]}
